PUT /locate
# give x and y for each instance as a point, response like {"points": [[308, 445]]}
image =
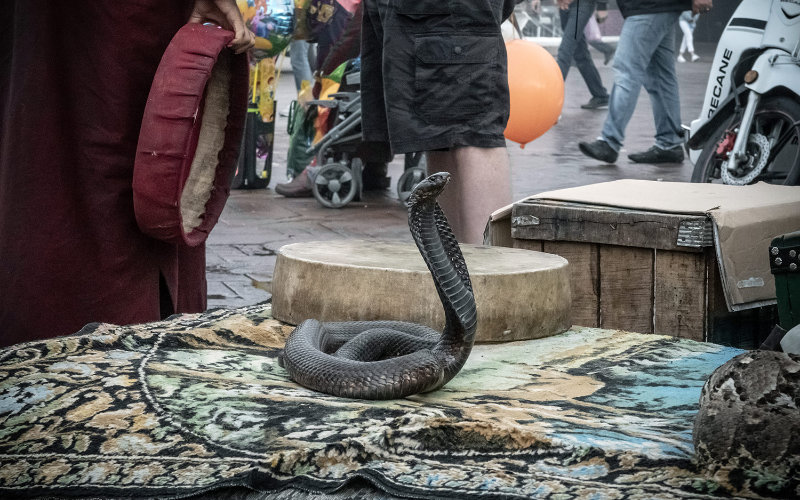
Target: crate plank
{"points": [[499, 233], [584, 279], [561, 221], [626, 288], [679, 294], [534, 245]]}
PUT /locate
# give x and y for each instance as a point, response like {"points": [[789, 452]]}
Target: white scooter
{"points": [[749, 126]]}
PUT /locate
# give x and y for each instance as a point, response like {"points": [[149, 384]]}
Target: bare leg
{"points": [[480, 184]]}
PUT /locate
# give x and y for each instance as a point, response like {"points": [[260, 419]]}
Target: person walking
{"points": [[688, 22], [645, 56], [574, 17]]}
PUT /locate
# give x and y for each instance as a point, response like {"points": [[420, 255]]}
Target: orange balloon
{"points": [[536, 88]]}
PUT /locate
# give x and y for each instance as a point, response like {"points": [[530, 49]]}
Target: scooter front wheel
{"points": [[773, 146]]}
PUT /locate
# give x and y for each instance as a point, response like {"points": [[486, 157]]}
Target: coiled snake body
{"points": [[394, 359]]}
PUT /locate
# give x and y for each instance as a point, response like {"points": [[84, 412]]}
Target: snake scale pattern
{"points": [[394, 359], [748, 424]]}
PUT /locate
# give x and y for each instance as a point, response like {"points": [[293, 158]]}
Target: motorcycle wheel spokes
{"points": [[784, 154], [782, 132]]}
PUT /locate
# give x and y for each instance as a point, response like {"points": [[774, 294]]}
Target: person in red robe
{"points": [[74, 81]]}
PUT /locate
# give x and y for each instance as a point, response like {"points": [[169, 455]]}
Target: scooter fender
{"points": [[776, 69]]}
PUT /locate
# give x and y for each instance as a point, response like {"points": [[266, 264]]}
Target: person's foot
{"points": [[608, 56], [596, 103], [599, 150], [371, 183], [657, 155], [299, 187], [680, 58], [695, 57], [374, 177]]}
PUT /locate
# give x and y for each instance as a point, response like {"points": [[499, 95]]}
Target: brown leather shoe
{"points": [[299, 187]]}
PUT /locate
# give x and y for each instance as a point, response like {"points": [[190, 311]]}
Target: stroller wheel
{"points": [[335, 185], [410, 178]]}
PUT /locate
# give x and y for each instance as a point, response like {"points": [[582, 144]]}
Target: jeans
{"points": [[573, 46], [645, 56], [298, 53]]}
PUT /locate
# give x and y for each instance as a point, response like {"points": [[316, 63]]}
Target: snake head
{"points": [[429, 188]]}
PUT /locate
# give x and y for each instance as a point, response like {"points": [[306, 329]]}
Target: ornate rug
{"points": [[198, 402]]}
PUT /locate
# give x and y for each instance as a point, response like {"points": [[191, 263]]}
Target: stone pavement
{"points": [[241, 250]]}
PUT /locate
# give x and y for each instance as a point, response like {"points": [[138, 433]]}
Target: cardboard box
{"points": [[679, 259]]}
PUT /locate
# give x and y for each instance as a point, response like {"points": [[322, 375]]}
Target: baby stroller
{"points": [[341, 155]]}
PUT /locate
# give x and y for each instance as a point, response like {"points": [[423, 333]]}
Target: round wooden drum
{"points": [[520, 294]]}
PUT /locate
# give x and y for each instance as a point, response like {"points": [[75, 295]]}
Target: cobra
{"points": [[394, 359]]}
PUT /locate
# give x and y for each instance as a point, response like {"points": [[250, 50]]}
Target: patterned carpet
{"points": [[198, 402]]}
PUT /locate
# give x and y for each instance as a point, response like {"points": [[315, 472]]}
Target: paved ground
{"points": [[255, 224]]}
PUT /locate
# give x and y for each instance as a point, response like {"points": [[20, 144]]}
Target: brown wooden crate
{"points": [[628, 272], [534, 245], [626, 288], [561, 221], [584, 279], [679, 294]]}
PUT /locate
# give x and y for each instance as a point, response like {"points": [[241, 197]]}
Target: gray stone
{"points": [[520, 294]]}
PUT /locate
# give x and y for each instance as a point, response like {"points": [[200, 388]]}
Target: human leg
{"points": [[375, 122], [690, 43], [581, 55], [567, 45], [636, 46], [687, 32], [301, 69], [661, 83], [688, 36], [480, 184]]}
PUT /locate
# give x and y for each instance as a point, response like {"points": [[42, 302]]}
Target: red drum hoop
{"points": [[190, 137]]}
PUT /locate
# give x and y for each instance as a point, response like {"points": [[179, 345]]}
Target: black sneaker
{"points": [[596, 103], [657, 155], [599, 150]]}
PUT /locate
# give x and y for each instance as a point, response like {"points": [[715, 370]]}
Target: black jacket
{"points": [[635, 7]]}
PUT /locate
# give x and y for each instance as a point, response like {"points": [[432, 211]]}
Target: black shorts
{"points": [[433, 73]]}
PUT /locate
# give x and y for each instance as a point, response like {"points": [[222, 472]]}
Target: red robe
{"points": [[74, 80]]}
